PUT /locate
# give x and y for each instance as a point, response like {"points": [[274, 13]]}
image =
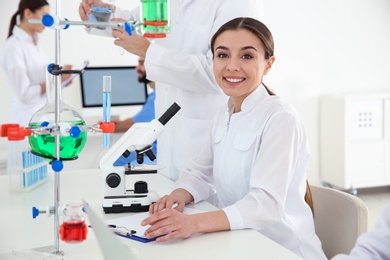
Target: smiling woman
{"points": [[233, 62], [253, 166], [239, 67]]}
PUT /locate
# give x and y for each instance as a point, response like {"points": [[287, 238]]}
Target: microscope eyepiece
{"points": [[171, 111]]}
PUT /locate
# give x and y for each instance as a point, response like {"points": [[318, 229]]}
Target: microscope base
{"points": [[129, 203], [122, 209]]}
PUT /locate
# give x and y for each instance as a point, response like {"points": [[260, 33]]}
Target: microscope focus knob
{"points": [[113, 180], [141, 187]]}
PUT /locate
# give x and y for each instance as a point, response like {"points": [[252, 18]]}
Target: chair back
{"points": [[339, 219]]}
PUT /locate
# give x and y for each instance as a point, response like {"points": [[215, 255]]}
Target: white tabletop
{"points": [[19, 231]]}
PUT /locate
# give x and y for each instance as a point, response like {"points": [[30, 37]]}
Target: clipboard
{"points": [[133, 222], [72, 76]]}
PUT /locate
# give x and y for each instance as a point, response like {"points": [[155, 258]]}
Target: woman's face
{"points": [[239, 63], [38, 14]]}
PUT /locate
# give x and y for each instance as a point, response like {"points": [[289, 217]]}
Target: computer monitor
{"points": [[126, 90]]}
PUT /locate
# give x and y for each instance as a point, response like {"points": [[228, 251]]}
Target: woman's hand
{"points": [[64, 77], [85, 7], [167, 202], [169, 224], [177, 199], [134, 44], [167, 220]]}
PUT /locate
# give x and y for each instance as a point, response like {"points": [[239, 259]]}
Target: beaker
{"points": [[155, 15], [73, 228], [100, 12], [44, 145]]}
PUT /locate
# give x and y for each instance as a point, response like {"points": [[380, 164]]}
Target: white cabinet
{"points": [[355, 140]]}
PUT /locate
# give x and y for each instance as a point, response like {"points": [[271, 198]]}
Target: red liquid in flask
{"points": [[73, 232]]}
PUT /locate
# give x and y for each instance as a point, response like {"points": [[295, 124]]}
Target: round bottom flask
{"points": [[44, 145]]}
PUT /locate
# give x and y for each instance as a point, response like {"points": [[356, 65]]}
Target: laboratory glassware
{"points": [[44, 144], [73, 228], [155, 16], [100, 12], [106, 107], [26, 170]]}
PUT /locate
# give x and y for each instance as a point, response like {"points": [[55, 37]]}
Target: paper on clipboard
{"points": [[133, 222], [72, 76]]}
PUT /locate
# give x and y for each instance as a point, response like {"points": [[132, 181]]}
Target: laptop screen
{"points": [[126, 90]]}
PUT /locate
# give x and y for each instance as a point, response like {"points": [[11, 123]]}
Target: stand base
{"points": [[39, 253]]}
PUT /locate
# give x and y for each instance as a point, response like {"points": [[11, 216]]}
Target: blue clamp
{"points": [[129, 29], [50, 68], [44, 124], [35, 212], [67, 25], [74, 131], [47, 20], [57, 165]]}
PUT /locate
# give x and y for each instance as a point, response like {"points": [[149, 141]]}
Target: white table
{"points": [[19, 231]]}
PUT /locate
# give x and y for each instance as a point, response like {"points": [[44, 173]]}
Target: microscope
{"points": [[138, 139]]}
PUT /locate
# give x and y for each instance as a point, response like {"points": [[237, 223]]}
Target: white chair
{"points": [[339, 218]]}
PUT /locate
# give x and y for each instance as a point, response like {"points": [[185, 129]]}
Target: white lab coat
{"points": [[181, 66], [373, 245], [254, 168], [24, 66]]}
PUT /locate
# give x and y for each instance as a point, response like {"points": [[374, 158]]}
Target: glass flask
{"points": [[155, 15], [73, 228], [44, 144], [100, 12]]}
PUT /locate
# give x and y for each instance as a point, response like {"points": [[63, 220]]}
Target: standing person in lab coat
{"points": [[253, 166], [24, 61], [373, 245], [181, 66]]}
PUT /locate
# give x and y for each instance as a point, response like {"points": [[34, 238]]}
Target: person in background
{"points": [[253, 166], [24, 62], [146, 114], [181, 66], [373, 245]]}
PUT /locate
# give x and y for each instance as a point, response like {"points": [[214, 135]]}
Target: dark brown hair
{"points": [[265, 36], [254, 26], [33, 5]]}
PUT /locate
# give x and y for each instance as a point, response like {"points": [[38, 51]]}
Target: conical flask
{"points": [[44, 145]]}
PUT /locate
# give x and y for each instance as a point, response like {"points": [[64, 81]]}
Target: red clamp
{"points": [[155, 35], [14, 132], [155, 23], [107, 127]]}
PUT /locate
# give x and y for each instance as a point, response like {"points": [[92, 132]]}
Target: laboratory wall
{"points": [[321, 47]]}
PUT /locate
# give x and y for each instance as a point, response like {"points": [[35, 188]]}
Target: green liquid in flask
{"points": [[155, 11], [44, 145]]}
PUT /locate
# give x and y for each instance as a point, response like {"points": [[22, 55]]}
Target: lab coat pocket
{"points": [[244, 141], [217, 135]]}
